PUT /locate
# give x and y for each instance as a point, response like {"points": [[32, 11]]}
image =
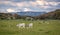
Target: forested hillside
{"points": [[50, 15]]}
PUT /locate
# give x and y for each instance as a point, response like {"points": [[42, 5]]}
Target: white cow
{"points": [[30, 25], [21, 25]]}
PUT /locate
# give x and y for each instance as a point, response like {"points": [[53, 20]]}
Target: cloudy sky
{"points": [[29, 5]]}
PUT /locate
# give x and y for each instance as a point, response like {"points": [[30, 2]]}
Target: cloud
{"points": [[16, 10], [36, 5], [54, 3], [8, 3], [40, 2], [18, 0], [21, 4], [30, 3], [18, 4], [27, 9], [10, 10], [44, 4]]}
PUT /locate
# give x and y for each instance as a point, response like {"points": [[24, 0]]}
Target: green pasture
{"points": [[8, 27]]}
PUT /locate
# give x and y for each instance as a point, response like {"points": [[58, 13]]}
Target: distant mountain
{"points": [[30, 13]]}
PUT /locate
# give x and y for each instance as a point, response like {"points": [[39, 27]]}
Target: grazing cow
{"points": [[21, 25], [30, 25]]}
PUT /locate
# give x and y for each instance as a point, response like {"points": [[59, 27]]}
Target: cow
{"points": [[30, 25], [21, 25]]}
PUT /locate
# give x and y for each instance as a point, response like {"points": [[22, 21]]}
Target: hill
{"points": [[9, 16], [50, 15], [35, 15]]}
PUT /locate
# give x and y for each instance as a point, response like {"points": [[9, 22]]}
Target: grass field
{"points": [[8, 27]]}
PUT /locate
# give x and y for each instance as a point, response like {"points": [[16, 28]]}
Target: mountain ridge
{"points": [[30, 13]]}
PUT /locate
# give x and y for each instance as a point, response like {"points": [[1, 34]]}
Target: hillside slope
{"points": [[51, 15]]}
